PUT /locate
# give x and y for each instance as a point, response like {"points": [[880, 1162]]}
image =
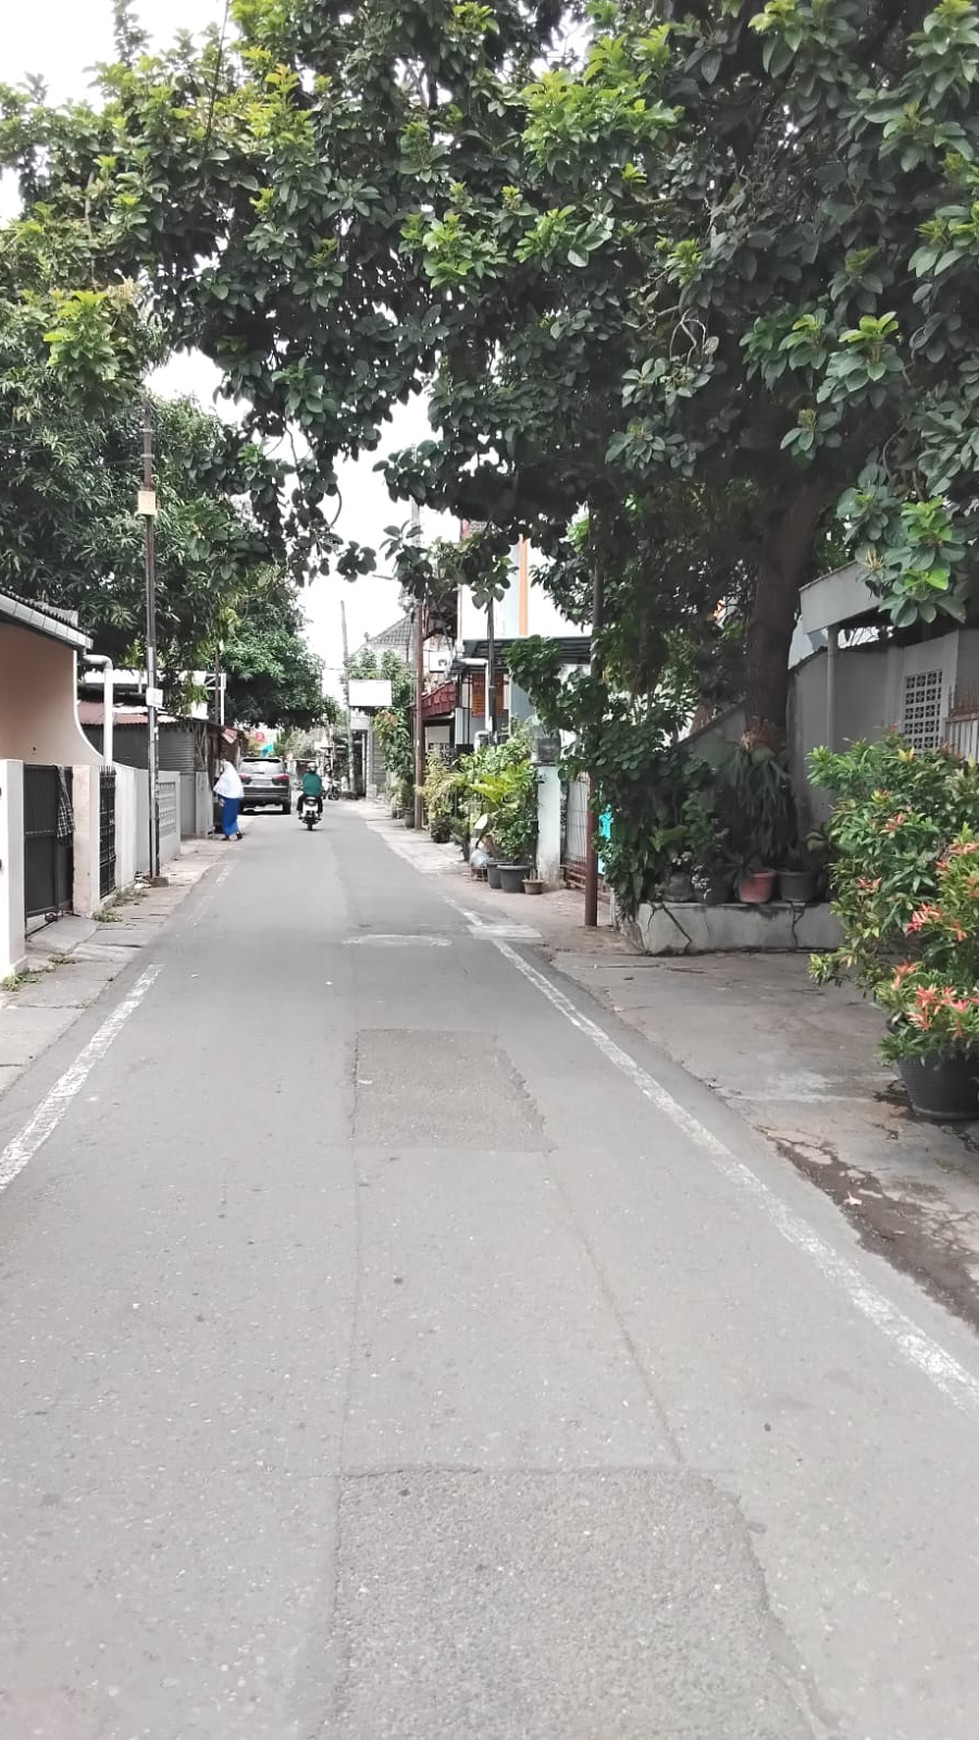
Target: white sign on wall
{"points": [[369, 694]]}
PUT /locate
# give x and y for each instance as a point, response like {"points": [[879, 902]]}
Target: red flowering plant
{"points": [[905, 882], [933, 998]]}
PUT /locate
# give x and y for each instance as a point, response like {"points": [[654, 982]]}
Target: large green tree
{"points": [[72, 367], [273, 677], [727, 242], [778, 201], [258, 189]]}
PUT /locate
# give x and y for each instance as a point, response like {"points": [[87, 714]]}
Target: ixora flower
{"points": [[930, 1013], [905, 883]]}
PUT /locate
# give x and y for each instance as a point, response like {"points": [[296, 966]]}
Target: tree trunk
{"points": [[782, 563]]}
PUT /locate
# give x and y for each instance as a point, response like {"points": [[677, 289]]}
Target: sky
{"points": [[61, 40]]}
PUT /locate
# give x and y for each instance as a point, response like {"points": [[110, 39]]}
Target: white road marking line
{"points": [[55, 1104], [945, 1372]]}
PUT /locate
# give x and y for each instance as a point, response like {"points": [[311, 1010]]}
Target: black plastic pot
{"points": [[512, 877], [493, 873], [679, 888], [943, 1089], [797, 886]]}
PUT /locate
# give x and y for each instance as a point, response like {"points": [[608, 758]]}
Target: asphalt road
{"points": [[393, 1350]]}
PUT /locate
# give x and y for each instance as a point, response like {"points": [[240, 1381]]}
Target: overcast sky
{"points": [[61, 40]]}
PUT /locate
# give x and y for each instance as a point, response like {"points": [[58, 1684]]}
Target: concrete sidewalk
{"points": [[797, 1062], [70, 962]]}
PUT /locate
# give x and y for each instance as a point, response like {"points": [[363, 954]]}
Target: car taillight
{"points": [[246, 779], [280, 779]]}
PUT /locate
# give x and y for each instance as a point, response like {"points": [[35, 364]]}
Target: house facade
{"points": [[852, 677], [525, 609]]}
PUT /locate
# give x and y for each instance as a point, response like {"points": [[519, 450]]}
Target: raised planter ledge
{"points": [[690, 928]]}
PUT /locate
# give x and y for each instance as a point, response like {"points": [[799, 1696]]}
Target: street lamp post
{"points": [[146, 506]]}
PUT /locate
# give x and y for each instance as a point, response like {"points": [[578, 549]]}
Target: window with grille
{"points": [[922, 722]]}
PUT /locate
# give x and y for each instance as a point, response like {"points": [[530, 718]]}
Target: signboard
{"points": [[359, 721], [370, 694], [261, 742]]}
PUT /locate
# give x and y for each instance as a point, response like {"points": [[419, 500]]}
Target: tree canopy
{"points": [[72, 369], [273, 678], [728, 245]]}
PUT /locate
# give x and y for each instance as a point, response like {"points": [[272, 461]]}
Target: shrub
{"points": [[905, 884]]}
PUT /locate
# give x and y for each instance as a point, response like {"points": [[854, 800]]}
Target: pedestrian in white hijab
{"points": [[231, 791]]}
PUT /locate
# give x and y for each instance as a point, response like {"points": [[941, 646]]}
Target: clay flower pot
{"points": [[755, 887]]}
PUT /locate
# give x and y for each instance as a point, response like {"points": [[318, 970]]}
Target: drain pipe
{"points": [[103, 663], [832, 649]]}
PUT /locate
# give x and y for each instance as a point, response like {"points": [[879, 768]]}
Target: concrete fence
{"points": [[196, 806], [12, 927], [85, 799], [169, 819]]}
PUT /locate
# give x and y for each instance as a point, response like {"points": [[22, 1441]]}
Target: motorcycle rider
{"points": [[312, 787]]}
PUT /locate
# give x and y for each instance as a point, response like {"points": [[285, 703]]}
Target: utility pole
{"points": [[218, 686], [594, 813], [419, 806], [146, 506], [346, 691], [491, 666]]}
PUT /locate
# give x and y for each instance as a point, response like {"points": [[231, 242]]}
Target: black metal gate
{"points": [[49, 831], [107, 832]]}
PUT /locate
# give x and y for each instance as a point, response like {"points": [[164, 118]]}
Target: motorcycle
{"points": [[333, 791], [308, 812]]}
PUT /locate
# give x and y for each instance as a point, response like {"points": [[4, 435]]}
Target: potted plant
{"points": [[801, 875], [798, 877], [933, 1038], [712, 869], [758, 811], [510, 793], [670, 844], [906, 891], [755, 881]]}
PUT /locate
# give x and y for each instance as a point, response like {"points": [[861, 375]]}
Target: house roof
{"points": [[440, 702], [44, 619], [92, 713], [123, 717], [397, 638]]}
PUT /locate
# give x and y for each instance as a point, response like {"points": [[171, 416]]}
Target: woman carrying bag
{"points": [[231, 791]]}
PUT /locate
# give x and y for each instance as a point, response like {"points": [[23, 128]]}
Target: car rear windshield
{"points": [[261, 761]]}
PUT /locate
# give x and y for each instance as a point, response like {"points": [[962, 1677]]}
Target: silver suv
{"points": [[266, 784]]}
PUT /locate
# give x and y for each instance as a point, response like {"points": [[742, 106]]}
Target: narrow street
{"points": [[396, 1348]]}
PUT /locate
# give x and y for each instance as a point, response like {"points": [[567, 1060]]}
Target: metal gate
{"points": [[107, 832], [49, 830]]}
